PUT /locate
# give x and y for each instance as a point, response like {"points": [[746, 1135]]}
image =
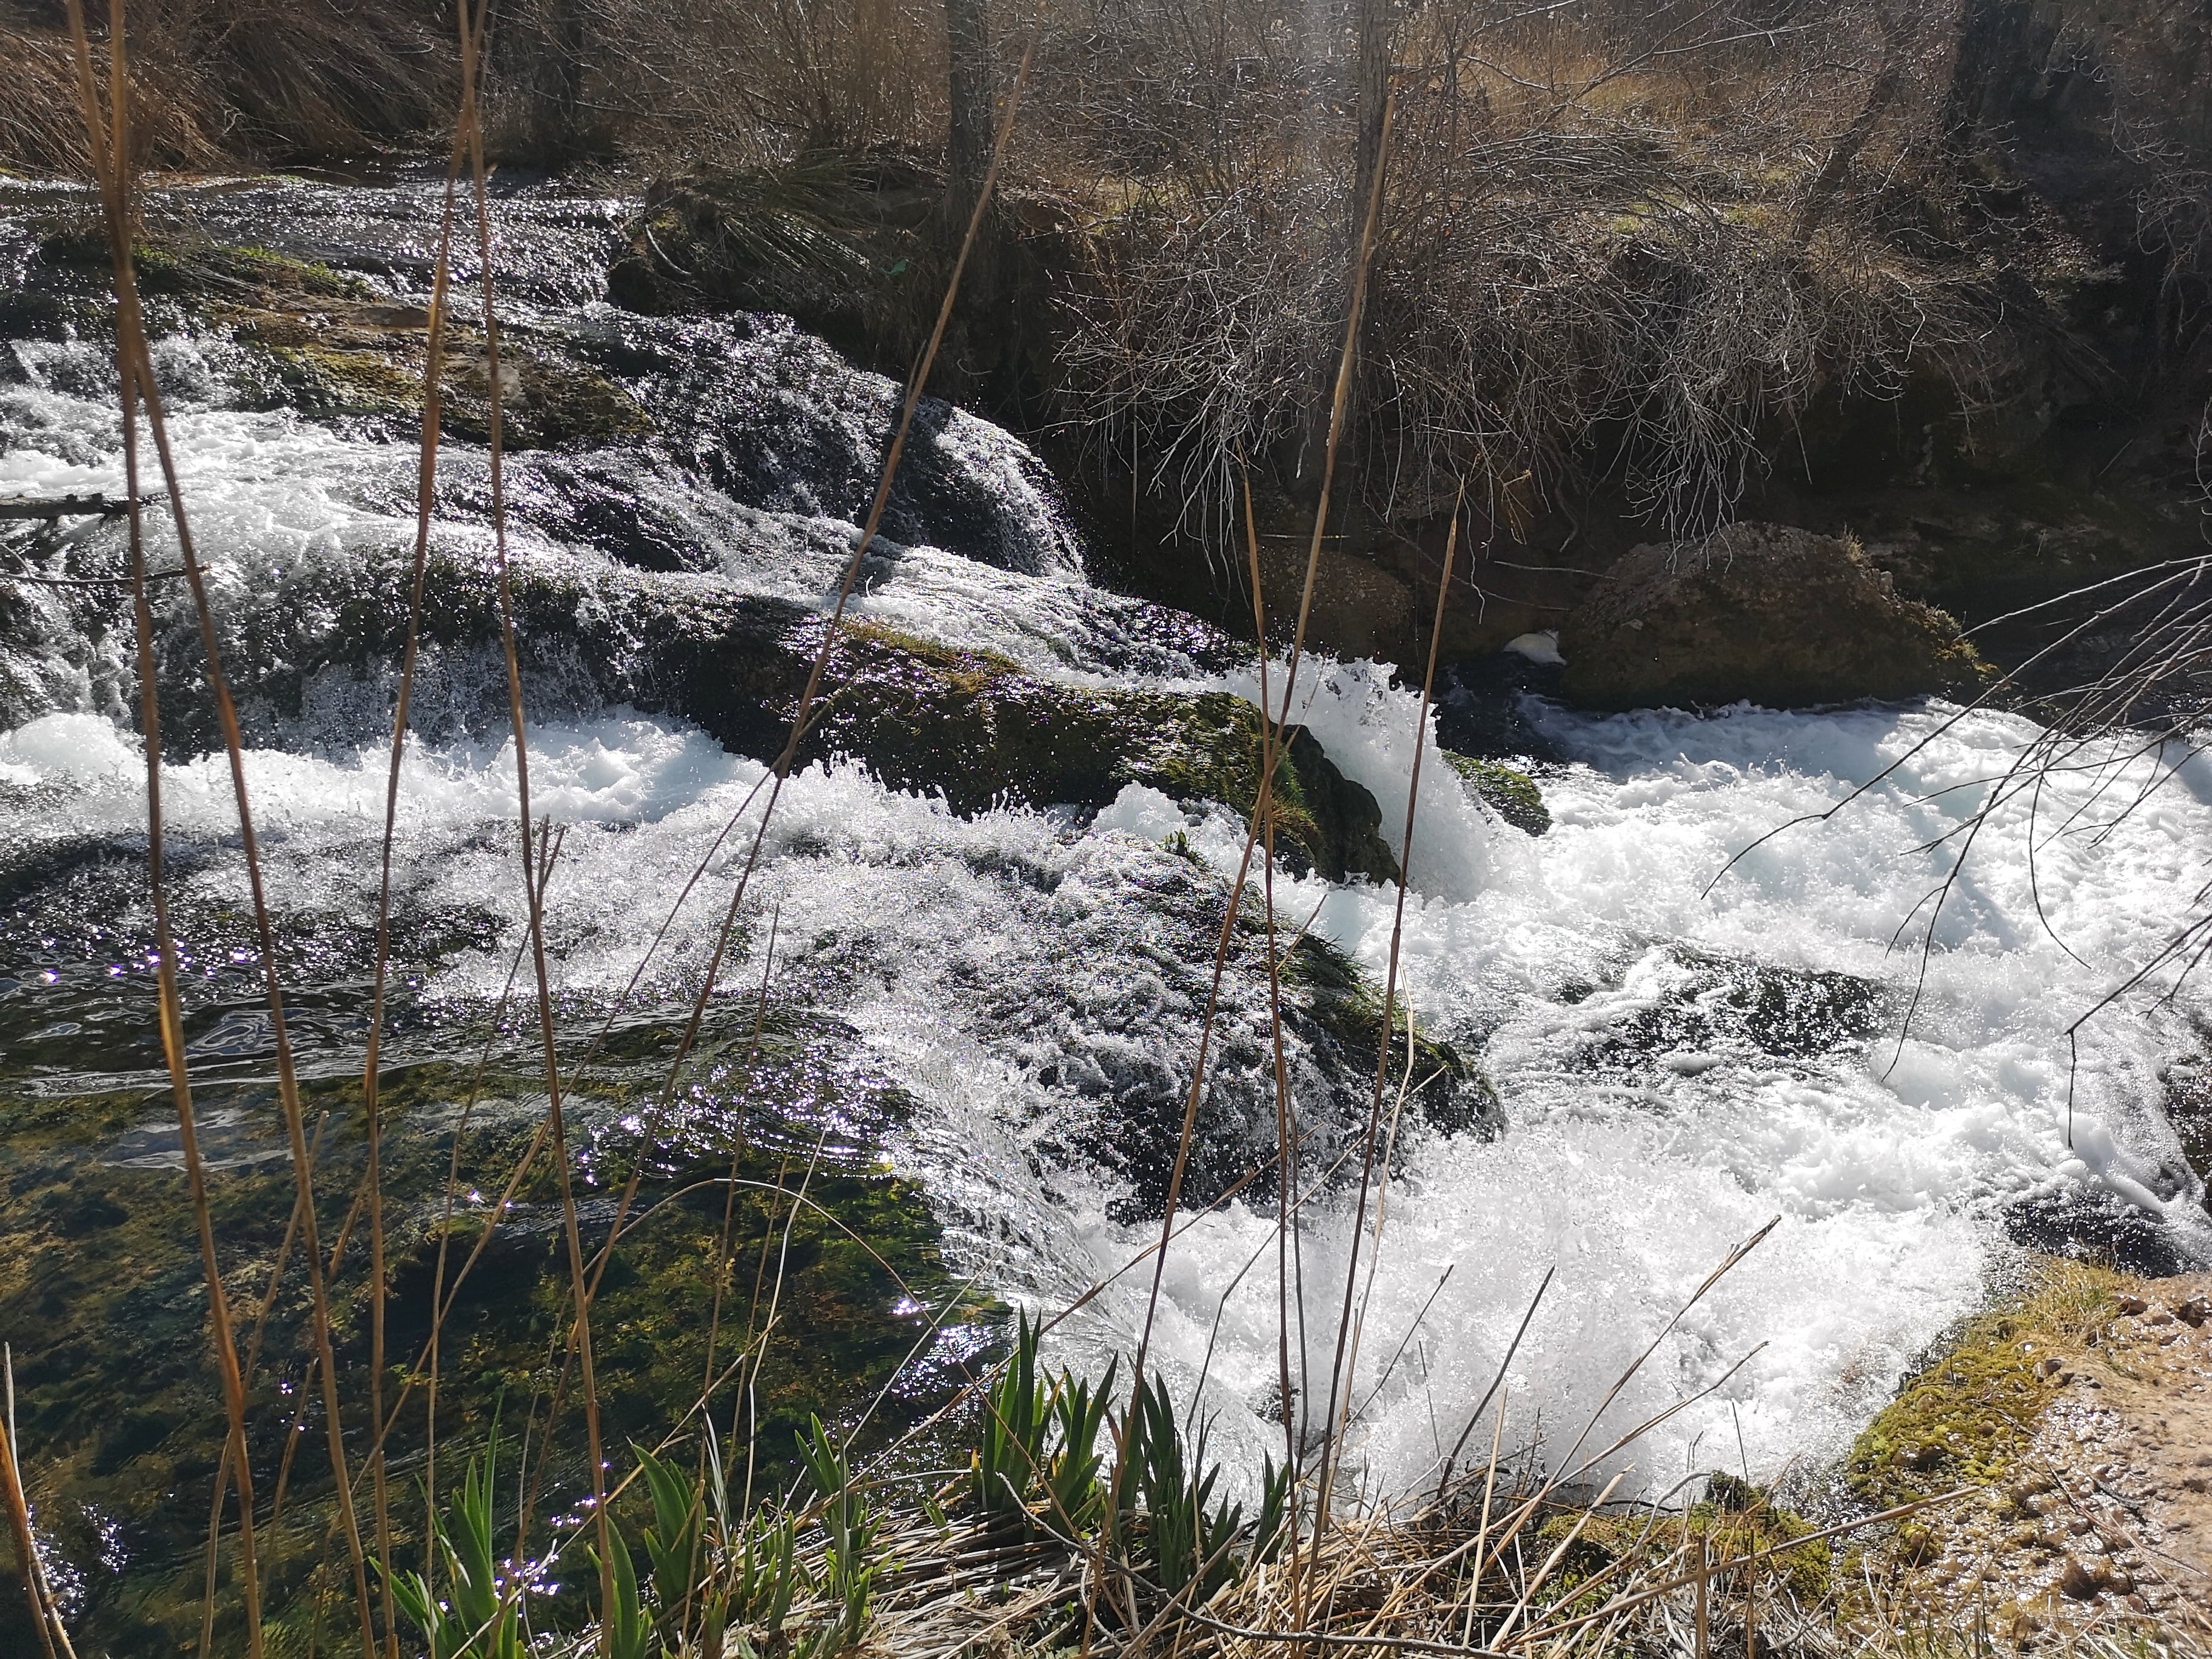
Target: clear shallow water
{"points": [[1678, 1059]]}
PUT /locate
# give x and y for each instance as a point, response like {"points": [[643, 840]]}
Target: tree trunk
{"points": [[968, 88], [1373, 70], [1880, 95], [566, 40], [538, 50], [1992, 63]]}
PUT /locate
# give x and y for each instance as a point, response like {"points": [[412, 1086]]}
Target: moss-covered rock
{"points": [[1766, 612], [546, 401], [321, 377], [814, 238], [369, 360], [852, 244], [193, 266], [974, 726], [1967, 1413], [969, 725], [1454, 1093], [101, 1284], [326, 343], [1512, 795]]}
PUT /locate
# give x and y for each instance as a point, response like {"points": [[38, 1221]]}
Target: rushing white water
{"points": [[1686, 1043], [1654, 1127], [1635, 1158]]}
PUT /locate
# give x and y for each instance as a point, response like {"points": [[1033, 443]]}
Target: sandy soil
{"points": [[2109, 1521]]}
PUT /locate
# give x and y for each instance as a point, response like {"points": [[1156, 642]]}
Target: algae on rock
{"points": [[973, 726], [1969, 1410], [1512, 794]]}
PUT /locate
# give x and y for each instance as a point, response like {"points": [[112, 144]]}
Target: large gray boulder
{"points": [[1762, 612]]}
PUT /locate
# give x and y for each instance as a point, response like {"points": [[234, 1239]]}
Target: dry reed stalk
{"points": [[444, 1300], [252, 1361], [109, 153], [799, 724], [440, 1305], [1263, 805], [784, 760], [131, 346], [1347, 1350], [915, 383], [472, 129], [43, 1613], [729, 1206], [1287, 1169], [371, 1079], [1482, 1531], [723, 1260]]}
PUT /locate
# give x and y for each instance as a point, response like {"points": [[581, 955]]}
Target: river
{"points": [[977, 1031]]}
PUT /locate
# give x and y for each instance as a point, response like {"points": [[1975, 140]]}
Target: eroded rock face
{"points": [[1758, 611]]}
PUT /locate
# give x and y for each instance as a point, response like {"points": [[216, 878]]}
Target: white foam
{"points": [[1888, 1162], [1142, 811], [1000, 947], [1542, 647], [985, 961]]}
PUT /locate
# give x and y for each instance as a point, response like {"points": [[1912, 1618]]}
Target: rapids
{"points": [[1680, 1046]]}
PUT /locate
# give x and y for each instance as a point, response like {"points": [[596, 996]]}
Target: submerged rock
{"points": [[1761, 612]]}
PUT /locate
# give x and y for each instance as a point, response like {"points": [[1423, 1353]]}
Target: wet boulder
{"points": [[972, 725], [1758, 612], [1511, 794], [316, 648]]}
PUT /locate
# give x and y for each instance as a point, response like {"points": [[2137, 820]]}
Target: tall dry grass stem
{"points": [[110, 150], [471, 128], [371, 1076], [915, 383], [1287, 1241], [1346, 1356], [1263, 805], [131, 345], [38, 1594]]}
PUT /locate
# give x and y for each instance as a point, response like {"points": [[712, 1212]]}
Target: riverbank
{"points": [[1937, 291]]}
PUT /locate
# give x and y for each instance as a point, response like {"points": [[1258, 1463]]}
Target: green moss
{"points": [[354, 360], [545, 402], [1347, 1004], [101, 1286], [192, 266], [1965, 1416], [972, 725], [320, 380], [265, 267], [1512, 795]]}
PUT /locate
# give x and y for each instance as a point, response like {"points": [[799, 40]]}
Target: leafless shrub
{"points": [[41, 130], [1617, 238]]}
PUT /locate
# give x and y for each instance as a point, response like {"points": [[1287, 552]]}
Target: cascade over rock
{"points": [[1762, 612]]}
